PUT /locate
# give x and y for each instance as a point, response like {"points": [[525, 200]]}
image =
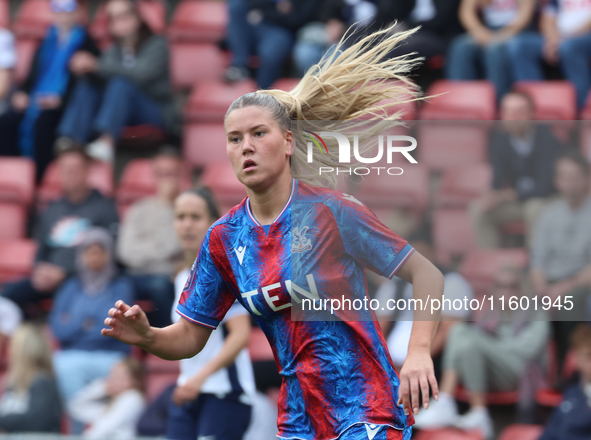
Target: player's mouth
{"points": [[249, 165]]}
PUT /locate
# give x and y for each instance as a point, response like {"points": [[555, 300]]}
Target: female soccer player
{"points": [[338, 378]]}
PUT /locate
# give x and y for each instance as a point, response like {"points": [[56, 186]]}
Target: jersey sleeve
{"points": [[206, 297], [368, 241]]}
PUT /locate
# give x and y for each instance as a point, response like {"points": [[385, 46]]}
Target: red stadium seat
{"points": [[17, 180], [460, 185], [285, 84], [156, 383], [33, 18], [226, 187], [201, 21], [443, 145], [100, 177], [137, 181], [460, 100], [204, 143], [452, 234], [154, 364], [153, 13], [191, 63], [521, 432], [16, 259], [25, 51], [554, 100], [409, 191], [259, 347], [493, 398], [480, 267], [4, 14], [447, 434], [210, 100], [14, 221]]}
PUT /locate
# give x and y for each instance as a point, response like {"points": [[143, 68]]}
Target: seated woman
{"points": [[31, 401], [131, 86], [491, 354], [29, 127], [111, 407], [77, 316]]}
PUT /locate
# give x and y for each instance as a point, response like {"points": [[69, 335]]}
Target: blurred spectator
{"points": [[148, 245], [60, 228], [29, 128], [439, 24], [522, 154], [398, 324], [10, 319], [565, 38], [334, 18], [560, 259], [7, 63], [130, 86], [80, 308], [215, 388], [111, 406], [492, 354], [268, 26], [31, 402], [572, 418], [489, 25]]}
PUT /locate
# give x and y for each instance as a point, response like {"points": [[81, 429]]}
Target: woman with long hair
{"points": [[215, 388], [337, 378], [31, 401], [129, 85]]}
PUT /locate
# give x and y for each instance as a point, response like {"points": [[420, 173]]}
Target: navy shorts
{"points": [[210, 417], [364, 431]]}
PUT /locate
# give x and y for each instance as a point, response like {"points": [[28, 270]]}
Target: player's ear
{"points": [[289, 143]]}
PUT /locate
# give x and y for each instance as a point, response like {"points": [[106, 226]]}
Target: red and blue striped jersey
{"points": [[334, 373]]}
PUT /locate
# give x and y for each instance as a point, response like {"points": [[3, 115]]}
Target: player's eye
{"points": [[259, 133], [234, 139]]}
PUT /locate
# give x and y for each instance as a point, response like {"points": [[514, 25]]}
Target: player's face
{"points": [[258, 148], [191, 221]]}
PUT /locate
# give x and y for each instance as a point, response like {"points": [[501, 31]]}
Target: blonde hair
{"points": [[29, 356], [359, 83]]}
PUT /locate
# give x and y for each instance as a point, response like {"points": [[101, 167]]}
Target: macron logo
{"points": [[240, 253], [351, 199], [372, 430]]}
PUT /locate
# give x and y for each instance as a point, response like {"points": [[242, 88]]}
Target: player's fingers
{"points": [[108, 332], [414, 394], [404, 395], [133, 311], [122, 306], [434, 385], [114, 312], [424, 383]]}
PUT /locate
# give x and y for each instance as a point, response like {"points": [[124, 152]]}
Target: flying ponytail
{"points": [[355, 84]]}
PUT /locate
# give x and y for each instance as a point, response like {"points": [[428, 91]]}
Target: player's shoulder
{"points": [[233, 217]]}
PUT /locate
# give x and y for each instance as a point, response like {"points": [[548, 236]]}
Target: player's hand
{"points": [[128, 324], [416, 374]]}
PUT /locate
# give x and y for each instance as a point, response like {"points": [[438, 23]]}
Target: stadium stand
{"points": [[480, 266], [14, 221], [209, 100], [460, 185], [16, 259], [553, 100], [452, 234], [202, 21], [258, 347], [25, 52], [521, 432], [204, 143], [137, 181], [191, 63], [33, 18], [17, 180], [447, 434], [460, 100], [222, 181], [159, 375], [100, 177], [4, 14]]}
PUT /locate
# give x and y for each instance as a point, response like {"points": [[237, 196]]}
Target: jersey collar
{"points": [[293, 189]]}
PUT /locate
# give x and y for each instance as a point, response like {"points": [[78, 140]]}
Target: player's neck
{"points": [[267, 205]]}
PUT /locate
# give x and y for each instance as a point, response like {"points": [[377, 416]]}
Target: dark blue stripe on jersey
{"points": [[232, 370]]}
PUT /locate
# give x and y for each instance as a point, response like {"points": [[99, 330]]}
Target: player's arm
{"points": [[417, 371], [177, 341]]}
